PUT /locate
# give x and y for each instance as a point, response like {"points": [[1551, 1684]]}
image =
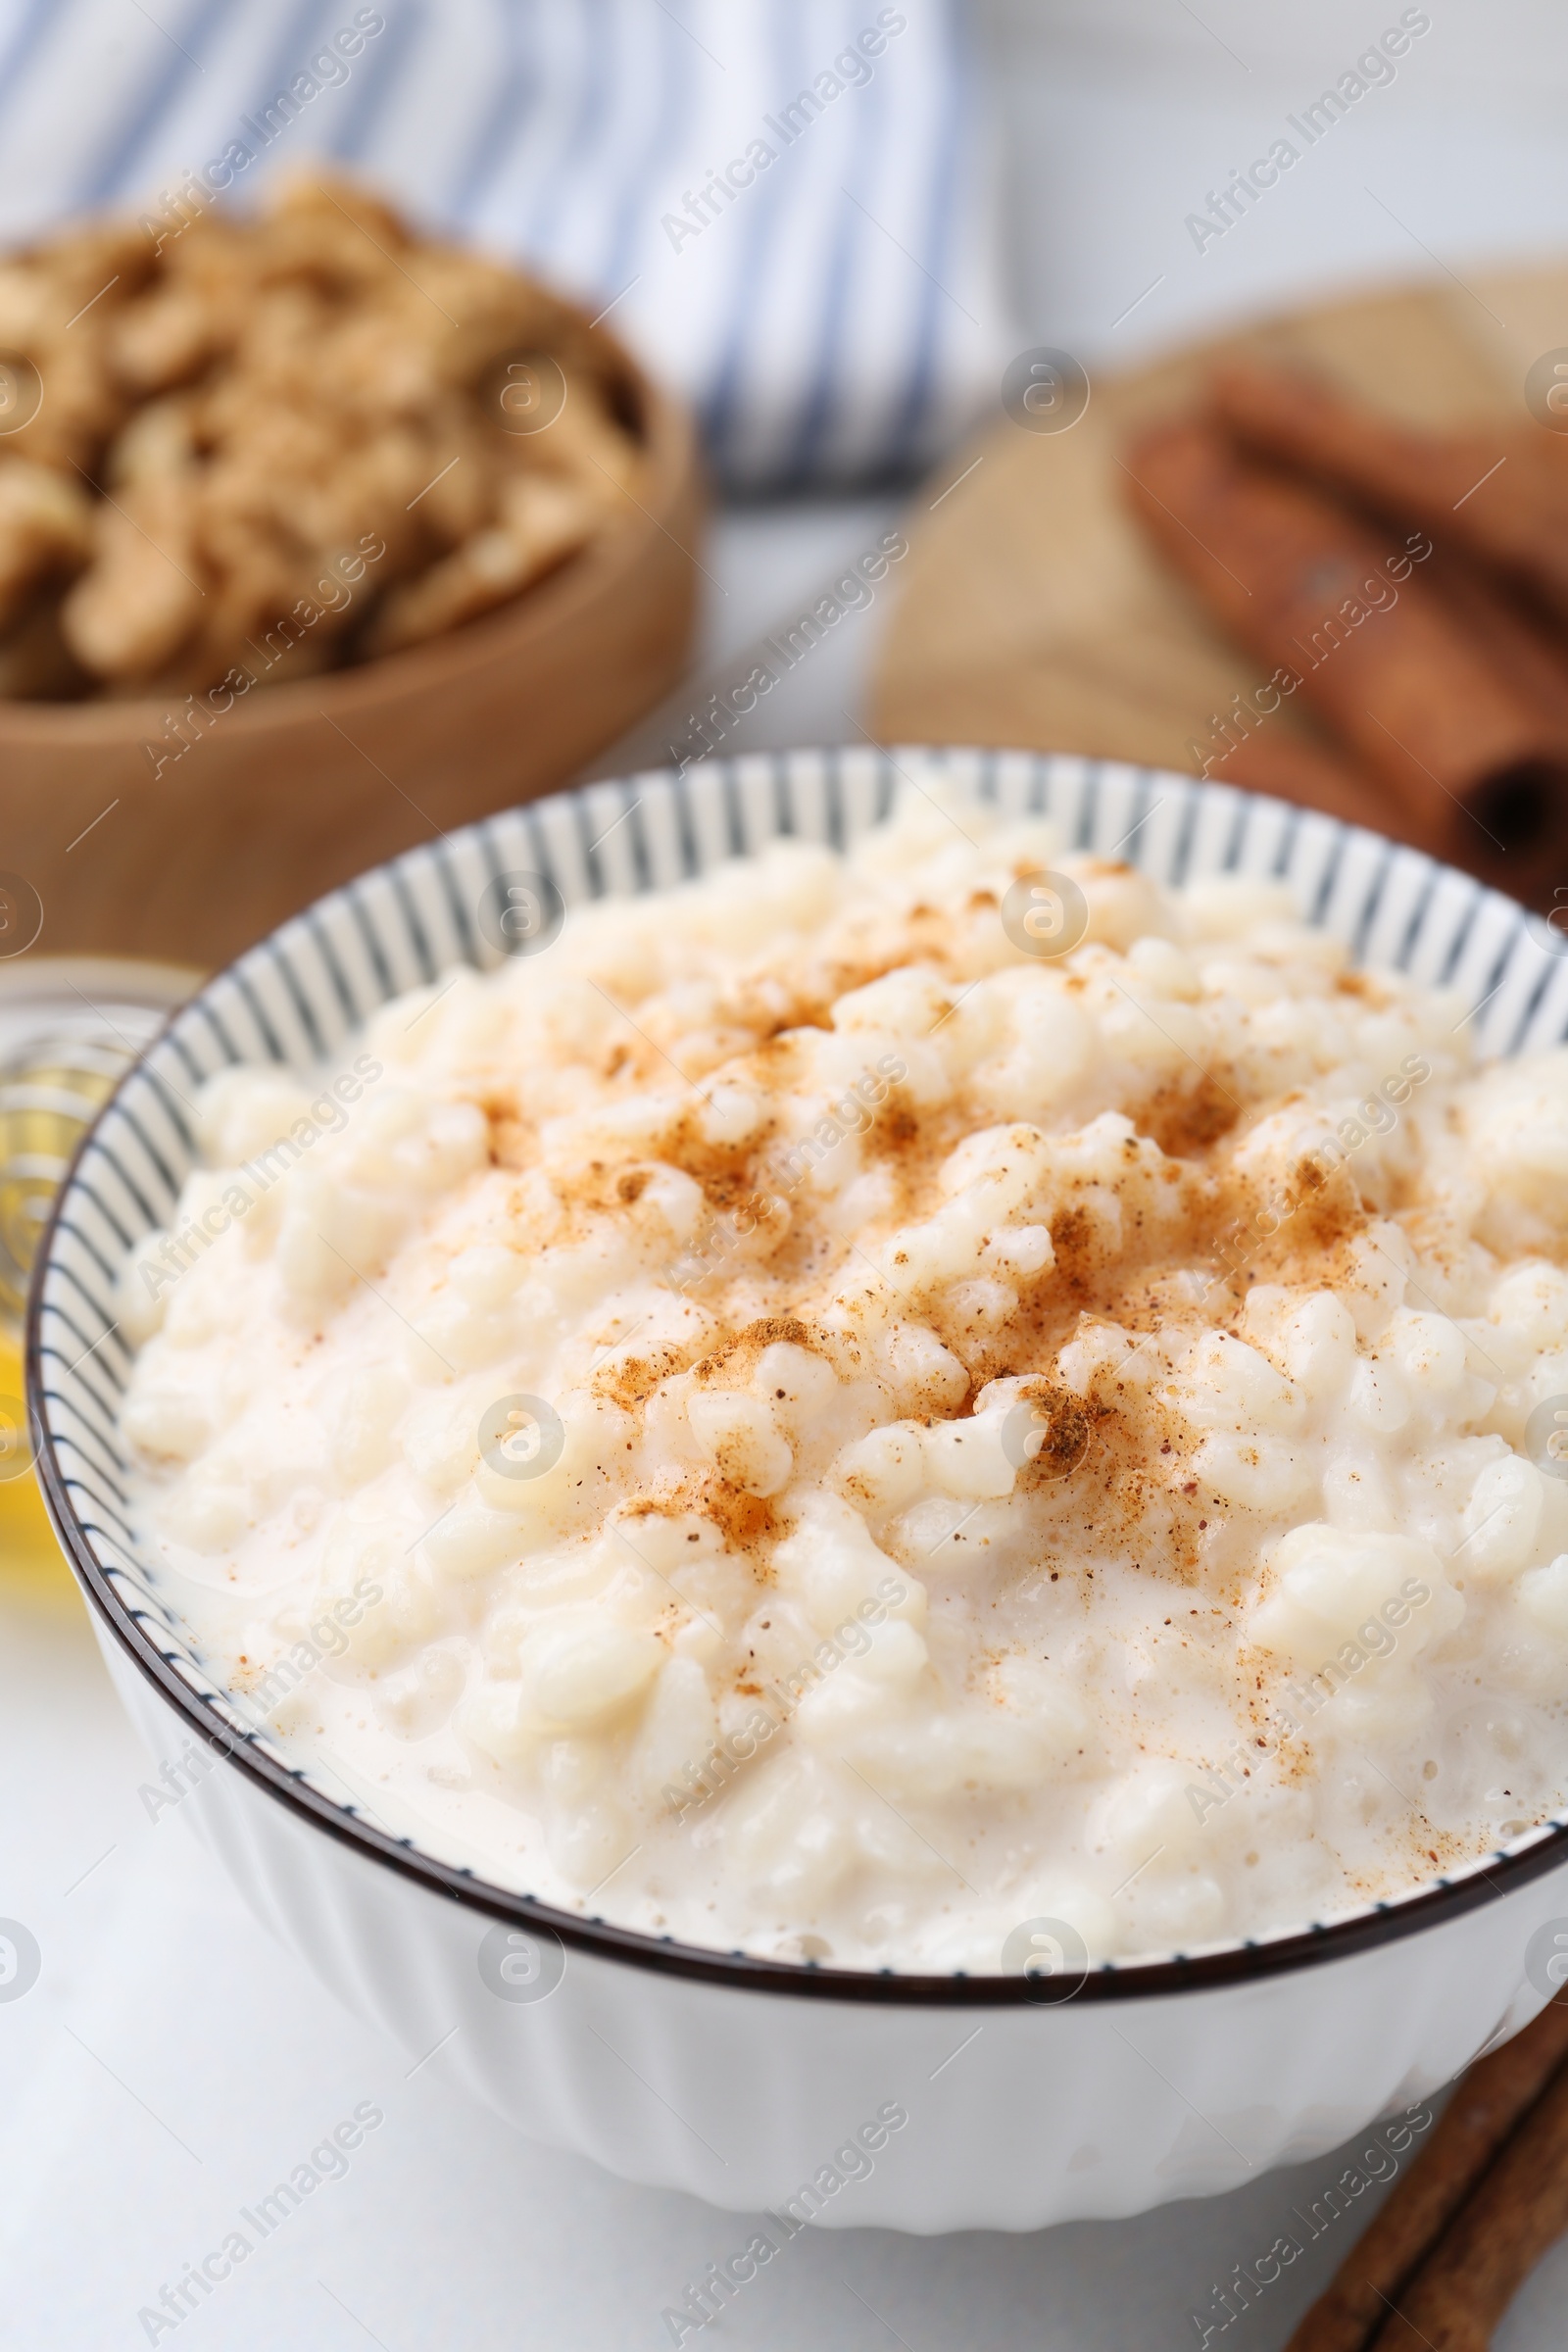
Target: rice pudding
{"points": [[866, 1401]]}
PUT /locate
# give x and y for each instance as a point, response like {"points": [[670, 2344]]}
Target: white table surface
{"points": [[170, 2061]]}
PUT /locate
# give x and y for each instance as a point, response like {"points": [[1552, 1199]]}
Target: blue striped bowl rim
{"points": [[300, 994]]}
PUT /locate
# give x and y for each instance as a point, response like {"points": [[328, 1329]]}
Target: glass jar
{"points": [[70, 1027]]}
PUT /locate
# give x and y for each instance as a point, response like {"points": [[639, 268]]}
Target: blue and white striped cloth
{"points": [[782, 202]]}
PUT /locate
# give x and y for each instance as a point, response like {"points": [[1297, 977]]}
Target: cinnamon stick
{"points": [[1461, 2290], [1502, 496], [1488, 2103], [1288, 768], [1507, 635], [1470, 758]]}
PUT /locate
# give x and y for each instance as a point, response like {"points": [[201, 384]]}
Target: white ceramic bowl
{"points": [[1026, 2101]]}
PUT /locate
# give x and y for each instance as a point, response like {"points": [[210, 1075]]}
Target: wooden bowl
{"points": [[300, 786]]}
